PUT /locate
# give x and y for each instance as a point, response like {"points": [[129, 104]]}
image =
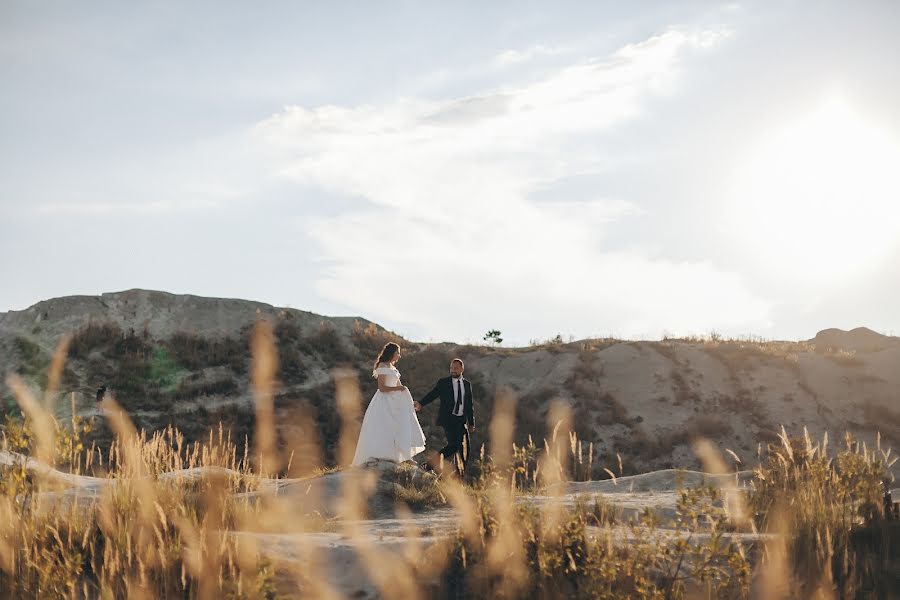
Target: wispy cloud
{"points": [[515, 57], [120, 208], [452, 242]]}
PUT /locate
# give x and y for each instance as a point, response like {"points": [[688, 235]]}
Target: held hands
{"points": [[416, 405]]}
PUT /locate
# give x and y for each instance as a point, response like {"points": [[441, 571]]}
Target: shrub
{"points": [[289, 340], [196, 352], [844, 358], [33, 362], [144, 537], [611, 410], [93, 336], [709, 426], [190, 390], [369, 339], [178, 535], [415, 489], [558, 558], [822, 504], [882, 419], [326, 343], [681, 388]]}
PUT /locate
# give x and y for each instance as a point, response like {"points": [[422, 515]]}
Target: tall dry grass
{"points": [[165, 518], [827, 512]]}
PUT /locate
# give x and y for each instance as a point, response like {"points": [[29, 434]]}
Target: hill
{"points": [[184, 360]]}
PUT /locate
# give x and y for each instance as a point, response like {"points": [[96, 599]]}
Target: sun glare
{"points": [[818, 199]]}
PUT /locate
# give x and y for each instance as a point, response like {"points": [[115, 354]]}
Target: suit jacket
{"points": [[443, 389]]}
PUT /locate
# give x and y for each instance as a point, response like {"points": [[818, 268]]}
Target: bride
{"points": [[390, 428]]}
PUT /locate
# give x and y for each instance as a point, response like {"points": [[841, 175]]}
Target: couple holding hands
{"points": [[390, 428]]}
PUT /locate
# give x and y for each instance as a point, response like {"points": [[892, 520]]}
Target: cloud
{"points": [[106, 209], [451, 241], [516, 57], [471, 109]]}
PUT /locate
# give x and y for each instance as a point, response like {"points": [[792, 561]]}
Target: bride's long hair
{"points": [[387, 353]]}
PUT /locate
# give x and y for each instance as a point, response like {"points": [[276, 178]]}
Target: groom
{"points": [[456, 412]]}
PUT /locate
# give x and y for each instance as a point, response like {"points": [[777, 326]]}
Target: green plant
{"points": [[93, 336], [196, 352], [33, 362], [326, 343], [493, 337]]}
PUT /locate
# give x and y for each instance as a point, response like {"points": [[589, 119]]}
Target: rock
{"points": [[377, 481], [161, 314]]}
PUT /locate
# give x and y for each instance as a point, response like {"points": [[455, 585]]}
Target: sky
{"points": [[586, 169]]}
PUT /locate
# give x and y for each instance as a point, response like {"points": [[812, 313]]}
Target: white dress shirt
{"points": [[459, 395]]}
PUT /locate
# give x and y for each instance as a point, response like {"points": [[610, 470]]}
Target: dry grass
{"points": [[740, 354], [163, 521], [370, 339], [146, 536], [845, 358], [828, 514]]}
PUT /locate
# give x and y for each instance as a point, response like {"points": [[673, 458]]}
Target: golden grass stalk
{"points": [[505, 559], [553, 467], [265, 366], [158, 531], [713, 463], [41, 419], [57, 365]]}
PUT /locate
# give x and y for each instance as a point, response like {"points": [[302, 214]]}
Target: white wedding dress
{"points": [[390, 427]]}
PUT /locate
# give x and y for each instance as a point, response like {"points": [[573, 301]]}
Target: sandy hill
{"points": [[184, 360], [861, 339]]}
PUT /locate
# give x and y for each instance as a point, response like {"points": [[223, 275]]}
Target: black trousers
{"points": [[457, 443]]}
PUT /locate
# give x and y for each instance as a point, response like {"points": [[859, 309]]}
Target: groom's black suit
{"points": [[454, 426]]}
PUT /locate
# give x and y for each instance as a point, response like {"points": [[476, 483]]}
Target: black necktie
{"points": [[458, 398]]}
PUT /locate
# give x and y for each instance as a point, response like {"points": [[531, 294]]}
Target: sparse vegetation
{"points": [[554, 344], [91, 337], [844, 358], [370, 339], [559, 557], [612, 411], [883, 419], [709, 426], [196, 352], [158, 531], [33, 361], [416, 489], [325, 342], [143, 537], [828, 513]]}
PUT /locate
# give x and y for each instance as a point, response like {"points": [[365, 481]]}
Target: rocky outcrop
{"points": [[381, 483], [159, 314]]}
